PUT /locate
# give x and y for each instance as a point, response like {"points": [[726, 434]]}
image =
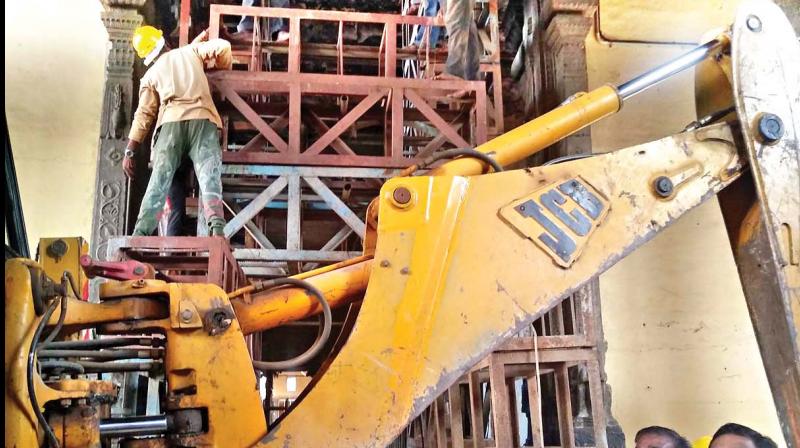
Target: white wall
{"points": [[55, 56]]}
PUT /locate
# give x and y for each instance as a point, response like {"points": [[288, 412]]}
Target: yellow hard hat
{"points": [[702, 442], [145, 40]]}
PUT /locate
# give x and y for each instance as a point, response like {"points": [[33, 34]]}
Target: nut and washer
{"points": [[663, 186], [770, 127]]}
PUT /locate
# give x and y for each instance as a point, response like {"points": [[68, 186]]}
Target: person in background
{"points": [[174, 93], [732, 435], [277, 27], [431, 9], [659, 437], [463, 44]]}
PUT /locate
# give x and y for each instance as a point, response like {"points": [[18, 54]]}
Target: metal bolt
{"points": [[138, 270], [754, 23], [405, 271], [663, 186], [770, 127], [186, 315], [385, 263], [401, 195]]}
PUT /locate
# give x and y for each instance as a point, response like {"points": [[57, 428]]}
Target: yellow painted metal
{"points": [[211, 371], [54, 266], [20, 422], [538, 134], [22, 427], [452, 279], [273, 308]]}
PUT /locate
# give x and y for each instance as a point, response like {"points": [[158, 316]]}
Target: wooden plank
{"points": [[255, 206], [323, 15], [500, 403], [346, 121], [292, 255], [294, 45], [598, 404], [183, 24], [294, 119], [390, 31], [534, 402], [251, 228], [456, 416], [436, 119], [476, 410], [276, 124], [316, 171], [293, 238], [336, 204], [319, 126], [564, 404], [481, 119], [396, 142], [440, 422], [253, 118]]}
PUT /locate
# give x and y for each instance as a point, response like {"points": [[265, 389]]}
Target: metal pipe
{"points": [[100, 343], [105, 354], [102, 367], [133, 426], [662, 72]]}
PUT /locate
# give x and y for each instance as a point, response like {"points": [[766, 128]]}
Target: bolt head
{"points": [[770, 127], [401, 195], [384, 263], [663, 186], [186, 315], [754, 23]]}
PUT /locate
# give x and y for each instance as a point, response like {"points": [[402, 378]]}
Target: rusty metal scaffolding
{"points": [[311, 129]]}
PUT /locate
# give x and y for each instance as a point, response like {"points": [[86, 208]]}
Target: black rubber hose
{"points": [[51, 437], [61, 316], [326, 320], [462, 152], [68, 277], [72, 283]]}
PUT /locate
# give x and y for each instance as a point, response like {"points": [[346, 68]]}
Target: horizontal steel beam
{"points": [[322, 171], [315, 14], [292, 255]]}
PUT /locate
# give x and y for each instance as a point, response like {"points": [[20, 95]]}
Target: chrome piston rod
{"points": [[662, 72], [133, 426]]}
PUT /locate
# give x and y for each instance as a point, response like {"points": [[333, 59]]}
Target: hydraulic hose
{"points": [[51, 437], [326, 320]]}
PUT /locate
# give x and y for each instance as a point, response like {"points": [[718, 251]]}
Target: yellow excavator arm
{"points": [[457, 260]]}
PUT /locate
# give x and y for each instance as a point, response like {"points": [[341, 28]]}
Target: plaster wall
{"points": [[55, 54], [681, 348]]}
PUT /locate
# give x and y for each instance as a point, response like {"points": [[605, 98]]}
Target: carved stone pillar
{"points": [[120, 18]]}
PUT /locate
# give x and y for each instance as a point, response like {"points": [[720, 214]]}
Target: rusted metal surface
{"points": [[763, 213], [183, 259], [373, 89]]}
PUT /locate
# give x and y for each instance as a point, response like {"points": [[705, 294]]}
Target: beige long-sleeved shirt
{"points": [[175, 88]]}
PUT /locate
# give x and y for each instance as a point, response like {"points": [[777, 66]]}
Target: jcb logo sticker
{"points": [[559, 218]]}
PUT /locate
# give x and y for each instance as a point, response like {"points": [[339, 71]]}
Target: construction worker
{"points": [[174, 93]]}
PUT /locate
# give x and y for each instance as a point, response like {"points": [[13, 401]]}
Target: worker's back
{"points": [[179, 79]]}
